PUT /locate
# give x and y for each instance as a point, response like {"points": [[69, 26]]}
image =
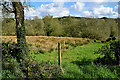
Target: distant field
{"points": [[48, 43]]}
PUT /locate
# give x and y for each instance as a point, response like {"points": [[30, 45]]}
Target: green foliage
{"points": [[34, 27], [76, 63], [110, 53], [9, 48], [8, 27], [92, 28], [13, 67], [47, 27], [88, 71], [95, 29], [79, 63], [56, 28], [10, 66], [71, 27]]}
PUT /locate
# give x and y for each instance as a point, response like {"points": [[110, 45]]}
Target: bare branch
{"points": [[10, 11], [25, 6], [24, 2]]}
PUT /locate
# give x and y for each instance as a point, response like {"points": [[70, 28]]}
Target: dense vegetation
{"points": [[79, 62], [13, 67], [94, 28], [81, 58]]}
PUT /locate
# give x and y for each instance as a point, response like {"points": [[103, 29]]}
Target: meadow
{"points": [[89, 48], [78, 62], [78, 57]]}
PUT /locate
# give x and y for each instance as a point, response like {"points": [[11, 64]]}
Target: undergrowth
{"points": [[77, 62]]}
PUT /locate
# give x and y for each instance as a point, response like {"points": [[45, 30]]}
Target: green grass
{"points": [[78, 53], [78, 62]]}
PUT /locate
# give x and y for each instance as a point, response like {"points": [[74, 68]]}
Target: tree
{"points": [[35, 17], [56, 28], [47, 27], [18, 10]]}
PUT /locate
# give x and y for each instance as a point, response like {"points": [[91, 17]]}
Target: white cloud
{"points": [[115, 15], [57, 9], [100, 1], [54, 9], [87, 13], [78, 6], [76, 15], [117, 9], [73, 0], [30, 12], [103, 10], [59, 3]]}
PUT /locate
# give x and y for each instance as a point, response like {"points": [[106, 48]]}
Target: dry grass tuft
{"points": [[48, 43]]}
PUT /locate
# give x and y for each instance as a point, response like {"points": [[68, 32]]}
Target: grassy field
{"points": [[79, 53], [77, 56], [78, 62]]}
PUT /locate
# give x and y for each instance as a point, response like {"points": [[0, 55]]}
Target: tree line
{"points": [[93, 28]]}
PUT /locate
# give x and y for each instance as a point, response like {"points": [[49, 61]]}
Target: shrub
{"points": [[27, 68], [9, 48], [109, 53]]}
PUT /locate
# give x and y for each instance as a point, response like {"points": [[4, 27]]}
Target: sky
{"points": [[76, 8]]}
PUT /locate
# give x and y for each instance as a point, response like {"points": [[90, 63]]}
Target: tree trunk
{"points": [[20, 29]]}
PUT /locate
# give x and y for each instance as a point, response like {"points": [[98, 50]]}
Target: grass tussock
{"points": [[48, 43]]}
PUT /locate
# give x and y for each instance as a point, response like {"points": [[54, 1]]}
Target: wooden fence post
{"points": [[59, 55]]}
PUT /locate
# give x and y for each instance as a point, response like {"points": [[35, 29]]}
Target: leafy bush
{"points": [[27, 68], [11, 68], [109, 54], [9, 49]]}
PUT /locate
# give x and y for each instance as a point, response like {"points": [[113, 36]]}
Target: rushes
{"points": [[48, 44]]}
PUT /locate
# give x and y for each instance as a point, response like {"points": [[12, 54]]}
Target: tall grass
{"points": [[78, 62], [47, 43]]}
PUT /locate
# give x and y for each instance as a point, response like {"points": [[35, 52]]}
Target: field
{"points": [[63, 46], [78, 62], [77, 56], [48, 43]]}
